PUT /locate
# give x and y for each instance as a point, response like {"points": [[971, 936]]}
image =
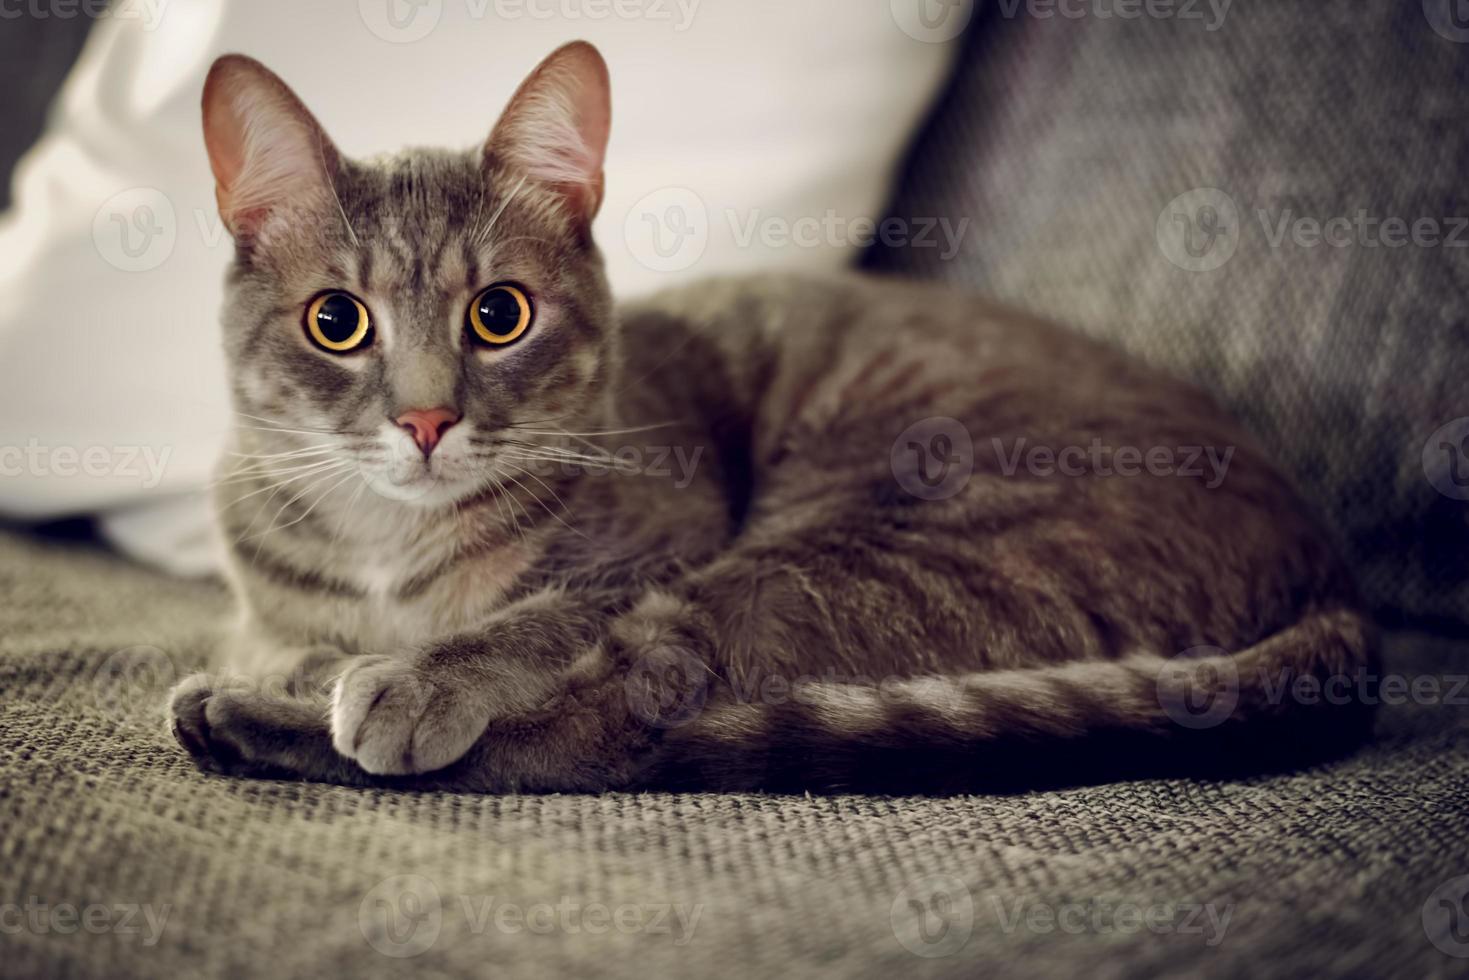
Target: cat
{"points": [[914, 543]]}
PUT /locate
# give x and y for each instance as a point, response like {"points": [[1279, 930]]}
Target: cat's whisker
{"points": [[291, 454], [336, 198], [499, 495], [291, 472], [314, 484], [320, 497], [597, 432], [316, 477], [554, 495], [511, 445], [559, 519], [514, 505], [483, 235], [239, 427], [282, 425], [602, 462]]}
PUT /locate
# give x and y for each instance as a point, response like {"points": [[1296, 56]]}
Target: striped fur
{"points": [[753, 586]]}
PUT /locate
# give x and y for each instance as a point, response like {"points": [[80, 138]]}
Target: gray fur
{"points": [[565, 629]]}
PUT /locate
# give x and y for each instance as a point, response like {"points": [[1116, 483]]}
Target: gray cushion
{"points": [[1324, 872], [1063, 143]]}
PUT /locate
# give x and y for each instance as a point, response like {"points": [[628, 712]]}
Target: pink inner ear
{"points": [[555, 128], [266, 151]]}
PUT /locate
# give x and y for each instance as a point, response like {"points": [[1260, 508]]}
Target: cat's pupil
{"points": [[499, 311], [337, 318]]}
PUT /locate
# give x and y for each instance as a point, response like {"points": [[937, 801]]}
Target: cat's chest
{"points": [[408, 598]]}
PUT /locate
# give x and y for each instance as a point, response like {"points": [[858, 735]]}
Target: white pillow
{"points": [[758, 134]]}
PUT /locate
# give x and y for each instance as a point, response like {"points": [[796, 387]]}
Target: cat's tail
{"points": [[1298, 696]]}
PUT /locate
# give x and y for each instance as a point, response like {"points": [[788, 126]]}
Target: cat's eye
{"points": [[337, 322], [499, 316]]}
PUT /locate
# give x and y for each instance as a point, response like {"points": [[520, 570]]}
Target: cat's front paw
{"points": [[202, 724], [395, 719]]}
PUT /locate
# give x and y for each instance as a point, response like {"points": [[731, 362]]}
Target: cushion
{"points": [[1335, 871], [1271, 204], [738, 127]]}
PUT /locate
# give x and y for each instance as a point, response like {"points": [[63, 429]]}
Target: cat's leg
{"points": [[542, 663], [256, 710], [422, 711], [240, 730]]}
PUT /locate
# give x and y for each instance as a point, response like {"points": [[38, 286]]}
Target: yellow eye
{"points": [[338, 322], [500, 315]]}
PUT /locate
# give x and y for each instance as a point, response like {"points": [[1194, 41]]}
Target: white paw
{"points": [[390, 716]]}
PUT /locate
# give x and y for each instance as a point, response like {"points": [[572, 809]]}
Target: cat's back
{"points": [[883, 341], [906, 405]]}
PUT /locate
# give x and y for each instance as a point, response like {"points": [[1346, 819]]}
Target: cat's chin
{"points": [[426, 491]]}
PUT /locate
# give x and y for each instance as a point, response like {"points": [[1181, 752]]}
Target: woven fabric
{"points": [[1069, 143], [1319, 873]]}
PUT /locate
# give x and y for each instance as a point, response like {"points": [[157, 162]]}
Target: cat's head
{"points": [[407, 315]]}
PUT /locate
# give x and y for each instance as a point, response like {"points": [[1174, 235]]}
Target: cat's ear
{"points": [[269, 155], [554, 131]]}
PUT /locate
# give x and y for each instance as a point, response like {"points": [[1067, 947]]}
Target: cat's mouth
{"points": [[398, 470]]}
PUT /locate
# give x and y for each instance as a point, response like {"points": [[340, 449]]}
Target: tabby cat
{"points": [[489, 533]]}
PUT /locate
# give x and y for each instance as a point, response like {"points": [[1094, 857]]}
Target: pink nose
{"points": [[427, 425]]}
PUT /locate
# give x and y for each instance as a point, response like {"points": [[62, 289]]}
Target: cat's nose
{"points": [[427, 426]]}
